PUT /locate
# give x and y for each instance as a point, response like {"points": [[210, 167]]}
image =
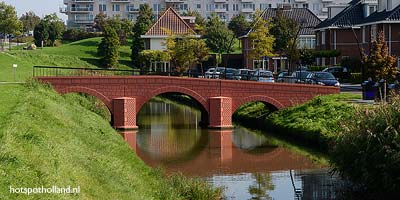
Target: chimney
{"points": [[190, 20], [333, 10]]}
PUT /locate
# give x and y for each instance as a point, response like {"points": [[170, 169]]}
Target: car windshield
{"points": [[243, 71], [230, 70], [211, 70], [283, 74], [266, 73], [220, 69], [324, 76], [301, 74]]}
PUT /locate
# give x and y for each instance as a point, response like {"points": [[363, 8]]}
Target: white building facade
{"points": [[81, 13]]}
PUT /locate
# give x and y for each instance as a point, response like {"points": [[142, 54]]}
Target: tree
{"points": [[9, 23], [143, 23], [239, 25], [218, 37], [150, 56], [123, 28], [100, 21], [108, 48], [261, 39], [379, 64], [41, 33], [29, 21], [185, 51], [286, 31], [56, 27]]}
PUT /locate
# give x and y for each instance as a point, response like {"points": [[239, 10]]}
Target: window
{"points": [[322, 37], [116, 8], [373, 32], [198, 6]]}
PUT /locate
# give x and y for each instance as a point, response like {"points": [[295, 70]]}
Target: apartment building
{"points": [[81, 13]]}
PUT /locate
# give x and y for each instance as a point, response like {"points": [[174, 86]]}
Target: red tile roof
{"points": [[172, 21]]}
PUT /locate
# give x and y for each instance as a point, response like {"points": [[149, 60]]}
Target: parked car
{"points": [[299, 76], [230, 73], [338, 72], [323, 78], [261, 75], [211, 73], [281, 76], [244, 74]]}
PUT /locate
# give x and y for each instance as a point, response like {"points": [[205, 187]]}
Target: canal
{"points": [[247, 164]]}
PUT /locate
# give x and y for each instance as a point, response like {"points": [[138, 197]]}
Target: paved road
{"points": [[345, 87]]}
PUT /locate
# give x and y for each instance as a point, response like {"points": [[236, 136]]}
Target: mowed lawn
{"points": [[81, 53]]}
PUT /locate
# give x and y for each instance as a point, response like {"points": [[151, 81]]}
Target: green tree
{"points": [[149, 56], [263, 184], [285, 31], [29, 21], [261, 39], [108, 49], [100, 21], [123, 28], [239, 25], [9, 23], [143, 23], [379, 64], [218, 37], [41, 33], [56, 27]]}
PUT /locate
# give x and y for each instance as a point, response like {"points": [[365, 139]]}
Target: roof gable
{"points": [[172, 21], [392, 15], [350, 16]]}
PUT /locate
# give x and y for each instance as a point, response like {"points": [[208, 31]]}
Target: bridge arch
{"points": [[174, 89], [201, 101], [269, 101], [79, 89]]}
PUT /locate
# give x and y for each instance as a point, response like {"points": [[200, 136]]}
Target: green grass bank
{"points": [[315, 122], [82, 53], [47, 139]]}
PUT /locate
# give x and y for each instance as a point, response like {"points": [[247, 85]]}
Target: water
{"points": [[248, 165]]}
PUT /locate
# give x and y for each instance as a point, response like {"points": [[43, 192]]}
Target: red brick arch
{"points": [[254, 98], [79, 89], [202, 101]]}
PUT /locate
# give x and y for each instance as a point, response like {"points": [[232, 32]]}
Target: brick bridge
{"points": [[218, 99]]}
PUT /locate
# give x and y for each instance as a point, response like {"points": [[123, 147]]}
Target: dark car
{"points": [[338, 72], [323, 78], [281, 76], [230, 73], [300, 76]]}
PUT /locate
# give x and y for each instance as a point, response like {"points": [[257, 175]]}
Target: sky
{"points": [[40, 7]]}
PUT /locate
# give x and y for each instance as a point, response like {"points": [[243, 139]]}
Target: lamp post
{"points": [[359, 50], [15, 72]]}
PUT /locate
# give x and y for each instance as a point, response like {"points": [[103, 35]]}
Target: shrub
{"points": [[77, 34], [108, 48], [367, 151]]}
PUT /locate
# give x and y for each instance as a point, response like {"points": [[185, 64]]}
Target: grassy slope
{"points": [[47, 139], [76, 54], [316, 121]]}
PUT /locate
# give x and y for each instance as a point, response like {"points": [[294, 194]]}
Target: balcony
{"points": [[75, 10], [247, 1], [84, 21], [303, 1], [327, 1], [174, 1], [324, 9], [220, 10], [133, 10], [247, 10], [120, 1], [83, 1], [220, 1]]}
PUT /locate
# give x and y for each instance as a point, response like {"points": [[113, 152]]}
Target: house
{"points": [[170, 22], [352, 30], [306, 37]]}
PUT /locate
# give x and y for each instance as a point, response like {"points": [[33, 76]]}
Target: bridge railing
{"points": [[63, 71]]}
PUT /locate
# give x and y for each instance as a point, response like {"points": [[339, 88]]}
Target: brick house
{"points": [[356, 26], [306, 37]]}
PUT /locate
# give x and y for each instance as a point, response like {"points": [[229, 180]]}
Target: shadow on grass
{"points": [[126, 63], [86, 43], [92, 61], [92, 53]]}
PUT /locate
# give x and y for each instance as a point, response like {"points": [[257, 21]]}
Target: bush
{"points": [[367, 151], [353, 64], [72, 35]]}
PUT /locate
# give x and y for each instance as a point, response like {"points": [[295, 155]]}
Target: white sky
{"points": [[40, 7]]}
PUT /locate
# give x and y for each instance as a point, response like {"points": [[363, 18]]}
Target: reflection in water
{"points": [[246, 164]]}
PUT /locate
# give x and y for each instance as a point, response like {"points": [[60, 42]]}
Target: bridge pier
{"points": [[220, 112], [124, 113]]}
